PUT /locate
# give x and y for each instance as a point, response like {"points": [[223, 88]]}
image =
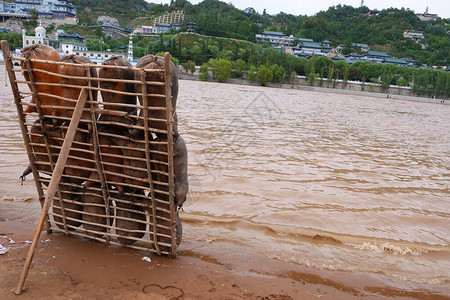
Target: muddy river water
{"points": [[322, 180]]}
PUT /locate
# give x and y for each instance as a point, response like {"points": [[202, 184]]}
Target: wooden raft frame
{"points": [[152, 197]]}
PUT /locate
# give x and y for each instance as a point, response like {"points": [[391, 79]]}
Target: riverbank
{"points": [[73, 268], [350, 89]]}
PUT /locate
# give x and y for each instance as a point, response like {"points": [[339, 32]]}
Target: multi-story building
{"points": [[275, 39], [307, 47], [44, 8]]}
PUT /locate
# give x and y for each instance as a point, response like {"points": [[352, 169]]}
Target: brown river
{"points": [[325, 181]]}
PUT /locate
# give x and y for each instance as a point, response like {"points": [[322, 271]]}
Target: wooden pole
{"points": [[169, 118], [148, 159], [53, 185]]}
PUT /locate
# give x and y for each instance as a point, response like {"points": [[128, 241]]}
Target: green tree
{"points": [[204, 72], [251, 75], [345, 80], [238, 68], [223, 70], [278, 73], [264, 75], [189, 66]]}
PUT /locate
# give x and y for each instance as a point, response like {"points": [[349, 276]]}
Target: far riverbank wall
{"points": [[356, 88]]}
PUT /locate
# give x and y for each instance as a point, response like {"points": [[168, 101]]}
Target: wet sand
{"points": [[72, 268]]}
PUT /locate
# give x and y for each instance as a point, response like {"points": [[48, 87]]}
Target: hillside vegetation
{"points": [[381, 30]]}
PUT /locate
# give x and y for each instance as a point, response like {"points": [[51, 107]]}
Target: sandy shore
{"points": [[72, 268]]}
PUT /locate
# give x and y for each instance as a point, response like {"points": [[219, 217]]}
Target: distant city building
{"points": [[44, 8], [275, 38], [427, 16], [417, 36]]}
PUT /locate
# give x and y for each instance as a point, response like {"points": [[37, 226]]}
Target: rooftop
{"points": [[378, 53], [273, 33]]}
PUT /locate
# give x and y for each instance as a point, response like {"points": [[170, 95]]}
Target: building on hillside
{"points": [[114, 31], [399, 61], [377, 56], [147, 30], [44, 8], [335, 55], [172, 18], [163, 28], [159, 28], [10, 10], [310, 47], [301, 40], [355, 57], [75, 37], [275, 38], [191, 27], [360, 47], [427, 16], [417, 36]]}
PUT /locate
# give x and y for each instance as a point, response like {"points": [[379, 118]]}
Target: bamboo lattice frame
{"points": [[97, 196]]}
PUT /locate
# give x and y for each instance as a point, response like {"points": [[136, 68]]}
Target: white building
{"points": [[71, 47], [38, 38]]}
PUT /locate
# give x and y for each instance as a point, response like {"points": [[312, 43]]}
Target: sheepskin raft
{"points": [[104, 149]]}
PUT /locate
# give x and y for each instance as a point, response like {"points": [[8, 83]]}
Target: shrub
{"points": [[264, 75], [251, 75], [222, 70], [402, 82]]}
